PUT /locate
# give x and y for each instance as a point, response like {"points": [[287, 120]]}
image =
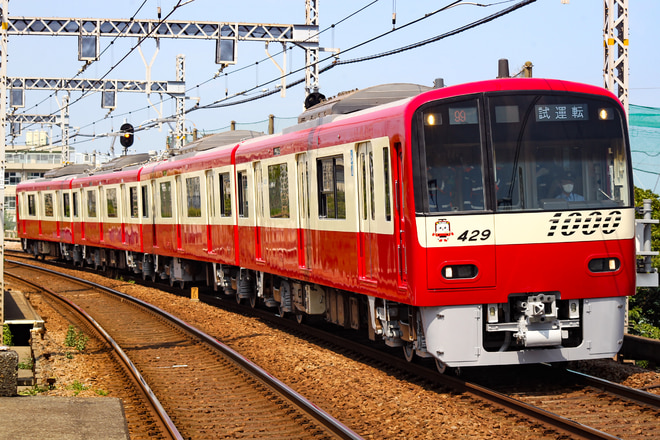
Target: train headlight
{"points": [[459, 271], [600, 265], [605, 114], [431, 119]]}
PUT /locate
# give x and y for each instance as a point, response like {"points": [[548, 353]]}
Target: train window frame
{"points": [[224, 183], [465, 202], [74, 203], [49, 208], [166, 210], [210, 190], [331, 191], [133, 202], [193, 197], [32, 205], [596, 155], [144, 192], [111, 203], [278, 191], [243, 186], [66, 205], [91, 203], [386, 179]]}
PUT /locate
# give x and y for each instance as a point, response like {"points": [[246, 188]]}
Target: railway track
{"points": [[620, 410], [610, 408], [207, 389], [584, 407]]}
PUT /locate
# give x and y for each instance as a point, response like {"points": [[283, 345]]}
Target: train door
{"points": [[367, 257], [400, 221], [304, 239], [178, 209], [259, 189]]}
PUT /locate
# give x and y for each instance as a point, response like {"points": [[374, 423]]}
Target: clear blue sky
{"points": [[562, 41]]}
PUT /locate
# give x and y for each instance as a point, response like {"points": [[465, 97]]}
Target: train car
{"points": [[488, 223]]}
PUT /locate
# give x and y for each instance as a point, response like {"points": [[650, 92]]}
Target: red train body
{"points": [[481, 224]]}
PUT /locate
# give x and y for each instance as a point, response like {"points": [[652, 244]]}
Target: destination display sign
{"points": [[561, 112]]}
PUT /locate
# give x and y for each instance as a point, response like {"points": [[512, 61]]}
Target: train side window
{"points": [[278, 191], [91, 203], [332, 193], [75, 204], [111, 202], [242, 180], [210, 189], [225, 195], [166, 199], [193, 197], [32, 205], [66, 205], [145, 201], [386, 174], [48, 205], [133, 200]]}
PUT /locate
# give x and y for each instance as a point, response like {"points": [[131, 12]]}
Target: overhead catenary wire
{"points": [[223, 102]]}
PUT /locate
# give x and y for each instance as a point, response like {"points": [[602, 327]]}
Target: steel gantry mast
{"points": [[89, 31], [616, 49]]}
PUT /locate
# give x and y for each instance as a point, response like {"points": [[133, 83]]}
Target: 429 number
{"points": [[475, 235]]}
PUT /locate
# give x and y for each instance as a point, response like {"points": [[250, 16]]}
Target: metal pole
{"points": [[3, 120]]}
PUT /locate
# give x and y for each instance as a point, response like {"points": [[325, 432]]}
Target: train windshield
{"points": [[521, 153]]}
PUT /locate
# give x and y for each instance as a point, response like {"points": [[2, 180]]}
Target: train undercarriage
{"points": [[529, 328]]}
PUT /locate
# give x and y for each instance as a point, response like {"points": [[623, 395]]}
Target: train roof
{"points": [[67, 170], [356, 100], [231, 137]]}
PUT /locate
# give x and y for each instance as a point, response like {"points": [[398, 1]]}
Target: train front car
{"points": [[524, 216]]}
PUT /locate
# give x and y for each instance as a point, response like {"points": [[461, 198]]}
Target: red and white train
{"points": [[480, 224]]}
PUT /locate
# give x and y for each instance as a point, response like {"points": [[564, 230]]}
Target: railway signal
{"points": [[126, 131]]}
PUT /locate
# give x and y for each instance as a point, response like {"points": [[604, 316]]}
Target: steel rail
{"points": [[165, 419], [638, 396], [294, 397]]}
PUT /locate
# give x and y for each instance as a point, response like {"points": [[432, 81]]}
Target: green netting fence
{"points": [[644, 127]]}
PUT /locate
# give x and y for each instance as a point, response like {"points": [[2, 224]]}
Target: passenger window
{"points": [[91, 203], [32, 205], [111, 202], [145, 201], [386, 174], [278, 191], [66, 205], [332, 196], [75, 204], [48, 205], [194, 197], [225, 195], [243, 206], [133, 195], [166, 199], [210, 188]]}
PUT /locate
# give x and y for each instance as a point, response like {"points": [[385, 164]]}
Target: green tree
{"points": [[644, 315]]}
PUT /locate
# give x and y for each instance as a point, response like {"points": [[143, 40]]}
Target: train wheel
{"points": [[300, 317], [253, 299], [182, 284], [153, 276], [280, 310], [238, 298], [409, 351], [171, 282]]}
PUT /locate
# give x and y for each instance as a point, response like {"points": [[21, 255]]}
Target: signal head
{"points": [[126, 138]]}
